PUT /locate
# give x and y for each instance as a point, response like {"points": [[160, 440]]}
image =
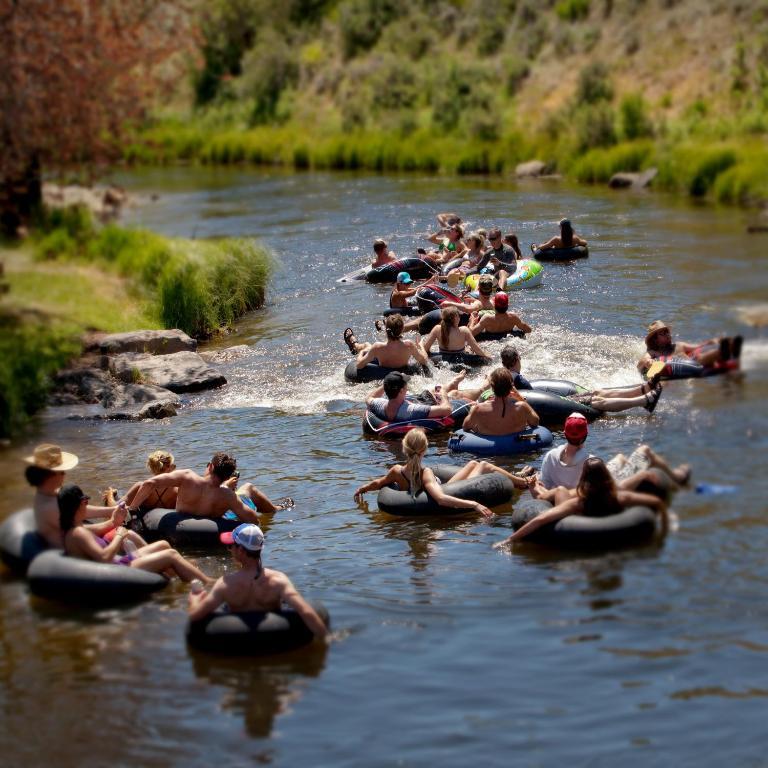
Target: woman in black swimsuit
{"points": [[158, 463], [413, 477]]}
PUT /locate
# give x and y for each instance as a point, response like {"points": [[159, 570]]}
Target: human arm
{"points": [[570, 507], [202, 604], [418, 352], [553, 242], [435, 490], [579, 240], [378, 483], [470, 421], [82, 543], [532, 418], [364, 357], [469, 340], [378, 392], [524, 327], [634, 499], [427, 341], [443, 406], [165, 480], [290, 595]]}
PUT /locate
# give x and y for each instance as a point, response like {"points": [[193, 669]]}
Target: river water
{"points": [[444, 651]]}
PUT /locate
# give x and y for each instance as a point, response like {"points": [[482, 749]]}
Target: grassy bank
{"points": [[72, 278]]}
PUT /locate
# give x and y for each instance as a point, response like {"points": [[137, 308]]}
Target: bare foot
{"points": [[682, 474]]}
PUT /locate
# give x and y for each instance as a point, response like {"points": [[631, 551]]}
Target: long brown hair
{"points": [[394, 326], [596, 489], [447, 316], [415, 444]]}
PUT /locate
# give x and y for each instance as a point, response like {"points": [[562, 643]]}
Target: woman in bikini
{"points": [[413, 477], [451, 337], [157, 557], [596, 496], [158, 463]]}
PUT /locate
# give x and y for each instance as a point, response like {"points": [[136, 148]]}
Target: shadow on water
{"points": [[260, 689]]}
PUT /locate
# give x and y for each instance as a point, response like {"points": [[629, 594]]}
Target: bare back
{"points": [[394, 353], [203, 497], [247, 590], [497, 417], [46, 509]]}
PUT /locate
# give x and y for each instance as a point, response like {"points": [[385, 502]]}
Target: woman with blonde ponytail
{"points": [[414, 478], [158, 463]]}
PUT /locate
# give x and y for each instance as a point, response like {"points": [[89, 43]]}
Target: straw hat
{"points": [[654, 328], [47, 456]]}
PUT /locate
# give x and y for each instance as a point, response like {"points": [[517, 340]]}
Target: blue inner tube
{"points": [[184, 530], [253, 633], [555, 409], [54, 576], [374, 372], [500, 445], [562, 254], [417, 267], [20, 543], [373, 425], [491, 489], [633, 526], [457, 361]]}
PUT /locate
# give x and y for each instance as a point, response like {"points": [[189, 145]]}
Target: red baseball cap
{"points": [[501, 300], [576, 427]]}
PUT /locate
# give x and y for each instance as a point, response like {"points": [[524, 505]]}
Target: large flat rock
{"points": [[179, 372], [165, 342]]}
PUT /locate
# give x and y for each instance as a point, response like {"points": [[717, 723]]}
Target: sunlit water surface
{"points": [[444, 651]]}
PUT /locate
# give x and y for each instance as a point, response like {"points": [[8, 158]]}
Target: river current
{"points": [[444, 651]]}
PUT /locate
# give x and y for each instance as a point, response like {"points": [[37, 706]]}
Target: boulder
{"points": [[179, 372], [531, 168], [165, 342], [227, 355], [81, 385], [130, 395]]}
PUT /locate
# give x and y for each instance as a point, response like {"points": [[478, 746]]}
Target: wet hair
{"points": [[159, 462], [415, 444], [501, 382], [379, 245], [566, 233], [475, 237], [223, 465], [509, 355], [511, 240], [393, 326], [69, 499], [596, 489], [447, 316], [36, 476]]}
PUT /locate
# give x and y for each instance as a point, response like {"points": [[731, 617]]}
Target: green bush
{"points": [[572, 10], [693, 168], [634, 122], [594, 84], [594, 126], [362, 21], [745, 183], [598, 165]]}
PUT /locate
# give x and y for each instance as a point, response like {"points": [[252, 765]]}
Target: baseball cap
{"points": [[576, 427], [501, 300], [393, 382], [403, 277], [247, 535]]}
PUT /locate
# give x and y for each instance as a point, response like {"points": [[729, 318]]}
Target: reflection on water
{"points": [[446, 651]]}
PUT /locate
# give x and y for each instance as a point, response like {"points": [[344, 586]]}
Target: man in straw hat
{"points": [[46, 471], [253, 587], [659, 346]]}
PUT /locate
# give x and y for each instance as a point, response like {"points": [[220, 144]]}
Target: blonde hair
{"points": [[159, 462], [415, 445]]}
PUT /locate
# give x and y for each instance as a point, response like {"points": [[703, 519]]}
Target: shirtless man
{"points": [[501, 322], [382, 254], [502, 415], [47, 470], [395, 352], [206, 496], [253, 587]]}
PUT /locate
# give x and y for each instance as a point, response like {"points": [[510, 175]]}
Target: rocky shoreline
{"points": [[136, 375]]}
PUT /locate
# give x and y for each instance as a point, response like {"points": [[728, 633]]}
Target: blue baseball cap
{"points": [[247, 535], [403, 277]]}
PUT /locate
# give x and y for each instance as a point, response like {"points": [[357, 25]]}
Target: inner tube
{"points": [[452, 264], [430, 297], [20, 543], [689, 369], [54, 576], [432, 318], [528, 274], [633, 526], [374, 372], [184, 530], [491, 489], [373, 425], [252, 633], [418, 267], [562, 254], [558, 387], [500, 445], [555, 409], [458, 361], [498, 336], [404, 311]]}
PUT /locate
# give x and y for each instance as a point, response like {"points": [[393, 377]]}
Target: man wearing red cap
{"points": [[502, 321], [561, 466]]}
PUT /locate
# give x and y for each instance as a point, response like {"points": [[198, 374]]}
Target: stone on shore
{"points": [[532, 168], [179, 372], [625, 179], [164, 342]]}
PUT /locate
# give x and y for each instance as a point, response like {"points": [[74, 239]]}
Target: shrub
{"points": [[361, 23], [593, 126], [594, 84], [572, 10], [634, 122]]}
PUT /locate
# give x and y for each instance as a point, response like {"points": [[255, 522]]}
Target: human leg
{"points": [[476, 468], [681, 474], [616, 404], [262, 502], [155, 546], [170, 559]]}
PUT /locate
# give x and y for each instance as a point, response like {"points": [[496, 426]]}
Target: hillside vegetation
{"points": [[467, 86]]}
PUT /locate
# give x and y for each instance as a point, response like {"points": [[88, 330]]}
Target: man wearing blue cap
{"points": [[401, 293], [253, 587]]}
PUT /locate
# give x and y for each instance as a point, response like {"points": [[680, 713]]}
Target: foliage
{"points": [[361, 23], [634, 122], [572, 10], [594, 84], [598, 165]]}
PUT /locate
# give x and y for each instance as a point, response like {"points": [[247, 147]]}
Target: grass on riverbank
{"points": [[74, 278]]}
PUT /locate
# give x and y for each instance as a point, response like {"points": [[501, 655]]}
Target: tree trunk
{"points": [[20, 196]]}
